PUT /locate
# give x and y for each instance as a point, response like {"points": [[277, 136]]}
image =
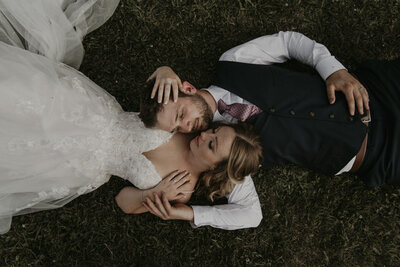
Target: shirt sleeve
{"points": [[282, 46], [242, 211]]}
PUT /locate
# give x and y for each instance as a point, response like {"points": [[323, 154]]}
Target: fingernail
{"points": [[175, 100]]}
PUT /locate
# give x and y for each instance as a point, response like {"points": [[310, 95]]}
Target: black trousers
{"points": [[381, 163]]}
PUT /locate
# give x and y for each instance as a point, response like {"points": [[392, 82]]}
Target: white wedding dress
{"points": [[61, 135]]}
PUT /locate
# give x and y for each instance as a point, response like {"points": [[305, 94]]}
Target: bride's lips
{"points": [[197, 140]]}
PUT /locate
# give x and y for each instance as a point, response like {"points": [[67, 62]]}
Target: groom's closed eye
{"points": [[179, 115], [175, 123]]}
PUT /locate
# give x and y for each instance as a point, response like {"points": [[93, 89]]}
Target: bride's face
{"points": [[212, 146]]}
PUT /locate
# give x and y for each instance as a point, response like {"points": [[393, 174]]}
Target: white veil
{"points": [[53, 28]]}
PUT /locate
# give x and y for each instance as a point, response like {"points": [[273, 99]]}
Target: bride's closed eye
{"points": [[210, 145]]}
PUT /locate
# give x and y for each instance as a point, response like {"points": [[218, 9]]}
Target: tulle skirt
{"points": [[42, 106]]}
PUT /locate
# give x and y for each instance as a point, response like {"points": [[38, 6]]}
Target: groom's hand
{"points": [[354, 91], [163, 209], [166, 80]]}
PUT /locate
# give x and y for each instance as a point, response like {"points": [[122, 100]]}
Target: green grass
{"points": [[309, 219]]}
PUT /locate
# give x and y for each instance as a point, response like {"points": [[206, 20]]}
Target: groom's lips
{"points": [[196, 125]]}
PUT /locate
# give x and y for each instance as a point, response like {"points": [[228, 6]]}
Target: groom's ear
{"points": [[188, 89]]}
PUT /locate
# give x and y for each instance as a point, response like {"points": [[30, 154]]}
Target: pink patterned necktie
{"points": [[239, 111]]}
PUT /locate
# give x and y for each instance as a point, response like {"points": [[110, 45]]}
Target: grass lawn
{"points": [[309, 219]]}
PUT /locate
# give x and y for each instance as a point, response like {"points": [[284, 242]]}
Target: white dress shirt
{"points": [[243, 208]]}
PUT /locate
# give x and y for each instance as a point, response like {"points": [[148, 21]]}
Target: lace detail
{"points": [[55, 122], [127, 139], [27, 107], [88, 143]]}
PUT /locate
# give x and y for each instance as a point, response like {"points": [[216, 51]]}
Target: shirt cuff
{"points": [[327, 66], [200, 216]]}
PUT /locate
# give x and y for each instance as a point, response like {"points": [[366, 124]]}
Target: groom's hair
{"points": [[149, 107]]}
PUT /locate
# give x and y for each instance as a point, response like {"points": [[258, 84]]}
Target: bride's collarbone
{"points": [[171, 156]]}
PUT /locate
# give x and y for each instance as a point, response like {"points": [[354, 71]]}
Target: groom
{"points": [[283, 104]]}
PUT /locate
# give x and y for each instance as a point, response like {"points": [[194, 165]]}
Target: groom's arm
{"points": [[280, 47], [242, 211]]}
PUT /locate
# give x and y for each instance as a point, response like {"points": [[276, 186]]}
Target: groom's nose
{"points": [[184, 126], [187, 125]]}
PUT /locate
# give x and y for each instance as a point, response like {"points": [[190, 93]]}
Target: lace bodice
{"points": [[118, 143], [93, 135], [125, 141]]}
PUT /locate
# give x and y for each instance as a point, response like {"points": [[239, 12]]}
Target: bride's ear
{"points": [[188, 89]]}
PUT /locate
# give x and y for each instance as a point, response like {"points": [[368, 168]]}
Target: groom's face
{"points": [[188, 114]]}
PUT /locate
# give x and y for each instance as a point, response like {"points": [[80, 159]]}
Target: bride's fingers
{"points": [[183, 180], [178, 177], [180, 196], [172, 175]]}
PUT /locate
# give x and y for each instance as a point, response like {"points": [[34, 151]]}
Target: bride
{"points": [[62, 136]]}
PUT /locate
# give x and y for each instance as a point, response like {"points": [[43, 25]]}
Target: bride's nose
{"points": [[205, 134]]}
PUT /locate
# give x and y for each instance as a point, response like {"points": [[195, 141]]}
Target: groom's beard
{"points": [[205, 111]]}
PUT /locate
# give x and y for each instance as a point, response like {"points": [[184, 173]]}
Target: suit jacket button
{"points": [[272, 110], [292, 112], [332, 116], [312, 114]]}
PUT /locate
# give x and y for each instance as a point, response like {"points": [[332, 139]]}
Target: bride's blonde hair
{"points": [[244, 159]]}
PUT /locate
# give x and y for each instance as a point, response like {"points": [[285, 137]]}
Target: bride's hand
{"points": [[163, 209], [165, 79], [172, 185]]}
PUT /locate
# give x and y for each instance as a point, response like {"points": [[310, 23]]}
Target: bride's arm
{"points": [[130, 198]]}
